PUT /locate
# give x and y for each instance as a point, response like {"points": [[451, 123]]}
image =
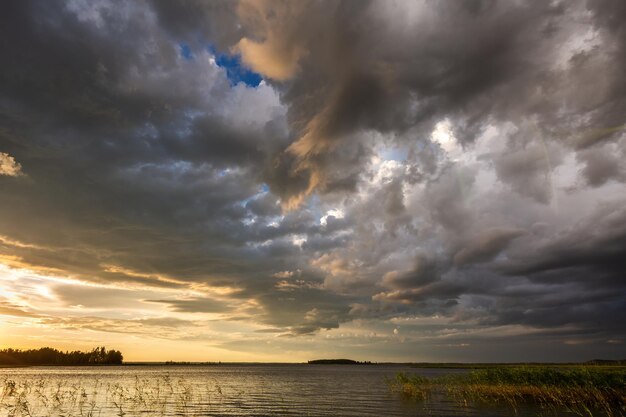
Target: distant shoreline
{"points": [[417, 365]]}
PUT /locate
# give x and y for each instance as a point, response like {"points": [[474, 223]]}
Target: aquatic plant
{"points": [[582, 390], [157, 396]]}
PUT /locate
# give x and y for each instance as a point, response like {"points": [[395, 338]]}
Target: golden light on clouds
{"points": [[38, 309], [9, 166], [275, 55], [269, 58], [5, 240], [135, 274]]}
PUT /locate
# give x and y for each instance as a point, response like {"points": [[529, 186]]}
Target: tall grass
{"points": [[158, 396], [585, 391]]}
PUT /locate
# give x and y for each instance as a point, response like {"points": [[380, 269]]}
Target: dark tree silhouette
{"points": [[50, 356]]}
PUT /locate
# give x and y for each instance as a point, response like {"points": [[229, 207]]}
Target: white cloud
{"points": [[336, 213], [443, 135], [9, 166]]}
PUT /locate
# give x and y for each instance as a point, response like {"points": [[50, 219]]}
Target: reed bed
{"points": [[160, 396], [584, 391]]}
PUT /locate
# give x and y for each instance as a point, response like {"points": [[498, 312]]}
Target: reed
{"points": [[157, 396], [584, 391]]}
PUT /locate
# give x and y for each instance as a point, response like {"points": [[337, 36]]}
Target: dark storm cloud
{"points": [[603, 164], [575, 278], [140, 168], [197, 20], [126, 162], [597, 243], [400, 66], [455, 58], [425, 271], [525, 171], [445, 202], [485, 247]]}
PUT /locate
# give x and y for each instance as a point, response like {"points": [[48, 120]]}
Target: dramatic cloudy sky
{"points": [[287, 180]]}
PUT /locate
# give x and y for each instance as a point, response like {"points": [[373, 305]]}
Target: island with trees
{"points": [[337, 362]]}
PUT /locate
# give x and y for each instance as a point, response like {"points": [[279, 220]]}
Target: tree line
{"points": [[50, 356]]}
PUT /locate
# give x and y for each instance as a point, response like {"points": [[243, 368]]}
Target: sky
{"points": [[280, 181]]}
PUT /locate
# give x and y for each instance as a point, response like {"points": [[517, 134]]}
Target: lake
{"points": [[220, 390]]}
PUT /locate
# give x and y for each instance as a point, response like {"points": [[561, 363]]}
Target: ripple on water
{"points": [[224, 390]]}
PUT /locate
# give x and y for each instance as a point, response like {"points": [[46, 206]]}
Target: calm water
{"points": [[224, 390]]}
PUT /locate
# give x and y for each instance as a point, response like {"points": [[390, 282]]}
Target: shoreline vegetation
{"points": [[49, 356], [583, 390]]}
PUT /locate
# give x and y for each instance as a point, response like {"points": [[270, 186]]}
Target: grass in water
{"points": [[158, 396], [584, 391]]}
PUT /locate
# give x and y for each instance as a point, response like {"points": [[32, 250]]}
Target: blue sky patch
{"points": [[235, 70], [185, 52]]}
